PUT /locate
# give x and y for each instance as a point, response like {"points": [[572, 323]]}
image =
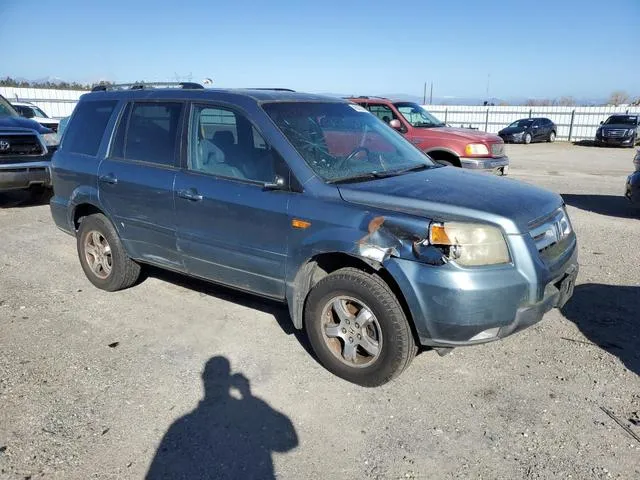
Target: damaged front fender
{"points": [[386, 237], [397, 237]]}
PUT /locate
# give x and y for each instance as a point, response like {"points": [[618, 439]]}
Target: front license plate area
{"points": [[566, 287]]}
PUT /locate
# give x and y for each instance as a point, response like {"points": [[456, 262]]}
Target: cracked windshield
{"points": [[343, 142]]}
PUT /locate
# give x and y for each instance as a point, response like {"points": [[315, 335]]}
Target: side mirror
{"points": [[279, 183], [601, 123], [395, 124]]}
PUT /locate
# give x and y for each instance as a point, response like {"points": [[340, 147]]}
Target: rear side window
{"points": [[383, 112], [148, 132], [85, 131]]}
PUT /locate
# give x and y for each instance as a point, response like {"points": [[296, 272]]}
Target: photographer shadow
{"points": [[231, 434]]}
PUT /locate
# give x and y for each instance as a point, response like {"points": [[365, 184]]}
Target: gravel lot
{"points": [[90, 382]]}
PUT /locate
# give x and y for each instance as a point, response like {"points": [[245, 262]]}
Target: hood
{"points": [[450, 193], [17, 123], [512, 130], [465, 134], [46, 120], [617, 126]]}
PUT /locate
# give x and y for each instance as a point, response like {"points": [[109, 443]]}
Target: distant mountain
{"points": [[53, 80]]}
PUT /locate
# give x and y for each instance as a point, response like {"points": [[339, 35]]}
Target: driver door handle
{"points": [[190, 194], [109, 178]]}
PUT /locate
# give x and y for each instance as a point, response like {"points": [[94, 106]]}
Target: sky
{"points": [[532, 49]]}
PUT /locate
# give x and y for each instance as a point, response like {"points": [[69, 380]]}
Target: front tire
{"points": [[445, 163], [552, 137], [102, 256], [527, 138], [357, 328]]}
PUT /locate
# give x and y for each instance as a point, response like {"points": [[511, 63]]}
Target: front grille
{"points": [[615, 132], [20, 144], [551, 230], [552, 235], [497, 149]]}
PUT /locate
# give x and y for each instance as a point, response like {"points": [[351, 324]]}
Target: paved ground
{"points": [[91, 382]]}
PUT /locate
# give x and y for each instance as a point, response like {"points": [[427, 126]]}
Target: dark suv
{"points": [[315, 202], [618, 130], [26, 148], [529, 130]]}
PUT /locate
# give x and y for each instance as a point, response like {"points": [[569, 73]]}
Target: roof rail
{"points": [[367, 97], [274, 89], [145, 85]]}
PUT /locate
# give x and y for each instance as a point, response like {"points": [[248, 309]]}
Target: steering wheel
{"points": [[353, 153]]}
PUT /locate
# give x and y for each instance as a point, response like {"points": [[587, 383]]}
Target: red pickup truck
{"points": [[459, 147]]}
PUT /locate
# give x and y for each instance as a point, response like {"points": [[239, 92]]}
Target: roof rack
{"points": [[366, 96], [145, 85], [274, 89]]}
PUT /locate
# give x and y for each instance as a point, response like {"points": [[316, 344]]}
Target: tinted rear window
{"points": [[85, 131], [148, 132]]}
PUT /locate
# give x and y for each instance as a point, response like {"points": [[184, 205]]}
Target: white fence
{"points": [[574, 123], [55, 103]]}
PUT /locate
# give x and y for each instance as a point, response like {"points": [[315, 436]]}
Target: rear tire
{"points": [[552, 137], [527, 138], [102, 256], [357, 328]]}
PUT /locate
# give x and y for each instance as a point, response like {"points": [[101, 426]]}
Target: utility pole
{"points": [[424, 94], [488, 81], [431, 94]]}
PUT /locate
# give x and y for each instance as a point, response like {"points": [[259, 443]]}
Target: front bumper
{"points": [[453, 306], [615, 141], [512, 138], [499, 166], [22, 175]]}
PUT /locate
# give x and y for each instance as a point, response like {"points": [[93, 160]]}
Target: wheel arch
{"points": [[440, 153], [84, 210], [323, 264]]}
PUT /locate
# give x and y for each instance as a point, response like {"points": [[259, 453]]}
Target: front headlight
{"points": [[470, 244], [476, 149], [50, 139], [519, 134], [630, 131]]}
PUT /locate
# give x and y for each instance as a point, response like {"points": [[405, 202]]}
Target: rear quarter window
{"points": [[148, 132], [86, 128]]}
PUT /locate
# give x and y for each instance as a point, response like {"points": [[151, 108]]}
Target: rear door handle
{"points": [[190, 194], [110, 178]]}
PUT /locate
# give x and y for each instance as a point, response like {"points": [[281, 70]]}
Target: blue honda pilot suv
{"points": [[315, 202]]}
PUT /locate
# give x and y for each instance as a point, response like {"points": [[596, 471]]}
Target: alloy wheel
{"points": [[97, 253], [351, 331]]}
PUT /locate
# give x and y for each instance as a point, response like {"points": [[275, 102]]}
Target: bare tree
{"points": [[618, 97], [538, 102], [566, 101]]}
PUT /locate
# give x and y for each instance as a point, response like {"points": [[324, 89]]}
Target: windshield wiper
{"points": [[356, 178], [383, 174], [401, 171]]}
